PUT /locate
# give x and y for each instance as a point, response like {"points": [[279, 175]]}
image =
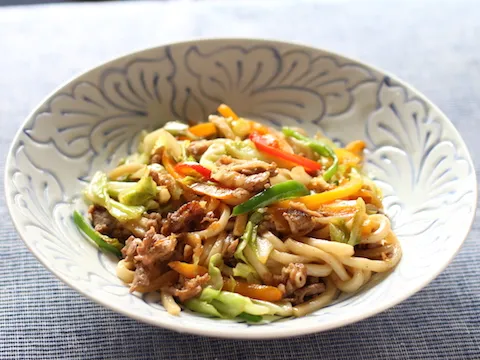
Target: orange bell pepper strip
{"points": [[227, 112], [169, 165], [259, 128], [313, 202], [254, 291], [188, 270], [369, 197], [356, 147], [203, 130], [337, 209], [191, 168]]}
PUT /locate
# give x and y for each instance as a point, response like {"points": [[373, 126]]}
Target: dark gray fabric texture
{"points": [[434, 45]]}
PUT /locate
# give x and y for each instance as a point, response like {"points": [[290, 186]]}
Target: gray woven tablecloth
{"points": [[434, 45]]}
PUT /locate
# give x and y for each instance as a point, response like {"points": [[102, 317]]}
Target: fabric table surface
{"points": [[431, 44]]}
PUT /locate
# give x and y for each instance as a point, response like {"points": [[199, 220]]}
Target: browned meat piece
{"points": [[318, 184], [222, 126], [232, 179], [190, 288], [209, 218], [252, 176], [106, 224], [165, 179], [198, 148], [293, 277], [187, 218], [309, 290], [275, 221], [247, 167], [302, 207], [299, 222], [150, 257], [155, 248], [228, 196], [129, 251], [144, 275], [154, 220]]}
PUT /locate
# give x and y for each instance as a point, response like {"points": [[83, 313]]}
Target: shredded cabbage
{"points": [[97, 193], [244, 150], [213, 153], [144, 190]]}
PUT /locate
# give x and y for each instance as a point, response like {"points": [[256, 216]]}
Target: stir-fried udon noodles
{"points": [[234, 219]]}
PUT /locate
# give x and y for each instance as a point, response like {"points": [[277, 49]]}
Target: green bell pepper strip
{"points": [[94, 235], [250, 317], [319, 148], [286, 190]]}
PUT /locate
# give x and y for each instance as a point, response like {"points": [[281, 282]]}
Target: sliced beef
{"points": [[222, 126], [252, 176], [190, 287], [299, 222], [154, 220], [293, 277], [187, 218], [162, 178], [129, 251], [106, 224], [150, 256], [155, 248], [308, 291], [198, 148], [226, 195]]}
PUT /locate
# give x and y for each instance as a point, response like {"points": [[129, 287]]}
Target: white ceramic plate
{"points": [[414, 154]]}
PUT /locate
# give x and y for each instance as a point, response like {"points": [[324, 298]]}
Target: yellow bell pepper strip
{"points": [[203, 130], [313, 202], [319, 148], [94, 235], [285, 190], [264, 144], [227, 112], [347, 157], [188, 270]]}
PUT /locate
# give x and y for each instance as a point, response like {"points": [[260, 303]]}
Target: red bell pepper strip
{"points": [[265, 145], [191, 168]]}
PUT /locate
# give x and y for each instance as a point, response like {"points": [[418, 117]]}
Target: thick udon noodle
{"points": [[333, 262]]}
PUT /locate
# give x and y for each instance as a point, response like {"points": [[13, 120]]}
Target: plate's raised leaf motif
{"points": [[293, 87], [417, 164]]}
